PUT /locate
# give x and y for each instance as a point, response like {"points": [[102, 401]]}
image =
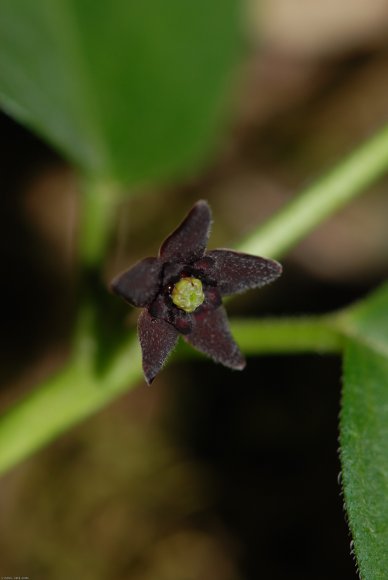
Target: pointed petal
{"points": [[205, 267], [188, 242], [159, 308], [157, 339], [140, 284], [211, 335], [237, 272]]}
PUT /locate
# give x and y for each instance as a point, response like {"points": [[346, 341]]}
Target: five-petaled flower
{"points": [[181, 292]]}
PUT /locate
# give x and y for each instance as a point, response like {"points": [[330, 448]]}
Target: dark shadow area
{"points": [[34, 292]]}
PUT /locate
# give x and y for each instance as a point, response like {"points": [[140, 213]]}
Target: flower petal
{"points": [[237, 272], [188, 242], [172, 272], [162, 308], [212, 300], [157, 339], [140, 284], [182, 321], [211, 335]]}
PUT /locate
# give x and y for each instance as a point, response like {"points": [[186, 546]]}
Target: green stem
{"points": [[288, 335], [63, 400], [350, 178]]}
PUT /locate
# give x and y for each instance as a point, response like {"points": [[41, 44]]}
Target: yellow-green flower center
{"points": [[188, 294]]}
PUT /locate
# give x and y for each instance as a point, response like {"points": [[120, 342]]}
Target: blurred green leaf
{"points": [[364, 455], [364, 431], [128, 90]]}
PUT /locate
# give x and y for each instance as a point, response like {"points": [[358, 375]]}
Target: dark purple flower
{"points": [[181, 292]]}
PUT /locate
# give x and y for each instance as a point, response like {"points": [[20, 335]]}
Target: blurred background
{"points": [[209, 474]]}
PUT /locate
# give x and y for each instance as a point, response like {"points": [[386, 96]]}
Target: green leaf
{"points": [[364, 455], [127, 90], [364, 431]]}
